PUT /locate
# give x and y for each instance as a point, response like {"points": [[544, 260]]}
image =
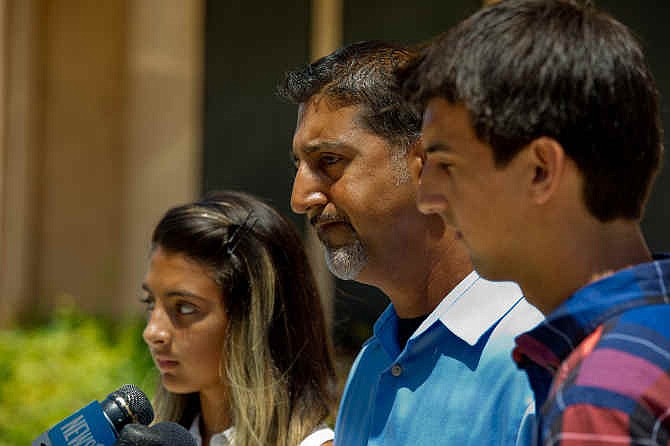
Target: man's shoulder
{"points": [[646, 320], [635, 340], [370, 359], [480, 310], [525, 314], [520, 318], [520, 311], [616, 380]]}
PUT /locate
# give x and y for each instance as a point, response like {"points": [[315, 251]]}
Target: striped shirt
{"points": [[599, 365]]}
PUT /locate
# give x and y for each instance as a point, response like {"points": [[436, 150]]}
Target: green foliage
{"points": [[50, 371]]}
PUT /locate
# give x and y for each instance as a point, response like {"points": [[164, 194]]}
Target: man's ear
{"points": [[547, 158], [415, 159]]}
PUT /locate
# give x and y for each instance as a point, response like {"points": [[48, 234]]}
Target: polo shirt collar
{"points": [[472, 307]]}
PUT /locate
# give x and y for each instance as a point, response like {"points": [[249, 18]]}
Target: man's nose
{"points": [[430, 198], [308, 190]]}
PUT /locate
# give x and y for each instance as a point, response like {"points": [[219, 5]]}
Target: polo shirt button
{"points": [[396, 370]]}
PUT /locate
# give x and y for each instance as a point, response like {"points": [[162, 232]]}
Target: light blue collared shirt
{"points": [[454, 382]]}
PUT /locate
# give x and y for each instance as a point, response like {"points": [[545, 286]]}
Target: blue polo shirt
{"points": [[454, 382]]}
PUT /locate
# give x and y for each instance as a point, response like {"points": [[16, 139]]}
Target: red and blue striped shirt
{"points": [[599, 365]]}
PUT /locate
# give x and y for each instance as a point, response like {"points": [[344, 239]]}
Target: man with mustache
{"points": [[438, 368], [543, 137]]}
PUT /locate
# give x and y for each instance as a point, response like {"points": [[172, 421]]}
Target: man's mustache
{"points": [[324, 219]]}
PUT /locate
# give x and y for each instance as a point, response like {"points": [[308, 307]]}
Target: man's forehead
{"points": [[432, 112], [311, 104], [321, 109], [318, 103], [445, 118], [315, 124], [325, 124], [301, 112]]}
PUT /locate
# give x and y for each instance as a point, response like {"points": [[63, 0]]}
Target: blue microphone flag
{"points": [[99, 423], [88, 426]]}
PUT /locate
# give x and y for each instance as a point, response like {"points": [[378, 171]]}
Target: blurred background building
{"points": [[111, 112]]}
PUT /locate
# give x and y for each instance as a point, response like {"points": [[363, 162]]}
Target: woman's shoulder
{"points": [[321, 436]]}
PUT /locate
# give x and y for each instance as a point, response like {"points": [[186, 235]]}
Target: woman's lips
{"points": [[166, 364]]}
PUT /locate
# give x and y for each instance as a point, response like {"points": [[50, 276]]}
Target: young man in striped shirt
{"points": [[542, 137]]}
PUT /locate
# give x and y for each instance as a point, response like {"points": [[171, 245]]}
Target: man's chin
{"points": [[337, 239], [346, 262]]}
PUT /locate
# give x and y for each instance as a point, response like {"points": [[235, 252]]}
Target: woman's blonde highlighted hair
{"points": [[277, 356]]}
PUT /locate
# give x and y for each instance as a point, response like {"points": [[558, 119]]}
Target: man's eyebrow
{"points": [[321, 145], [439, 147]]}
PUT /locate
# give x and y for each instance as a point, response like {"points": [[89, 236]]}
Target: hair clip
{"points": [[238, 232]]}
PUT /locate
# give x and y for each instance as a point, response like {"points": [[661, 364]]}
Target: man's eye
{"points": [[329, 160], [436, 163], [444, 166], [186, 308]]}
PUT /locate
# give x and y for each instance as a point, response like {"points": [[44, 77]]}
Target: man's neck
{"points": [[591, 254], [423, 283]]}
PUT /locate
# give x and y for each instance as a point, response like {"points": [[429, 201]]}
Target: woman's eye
{"points": [[148, 302], [186, 308]]}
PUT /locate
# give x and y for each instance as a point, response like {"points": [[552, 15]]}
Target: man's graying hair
{"points": [[360, 74]]}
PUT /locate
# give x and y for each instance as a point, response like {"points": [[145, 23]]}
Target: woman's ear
{"points": [[547, 159]]}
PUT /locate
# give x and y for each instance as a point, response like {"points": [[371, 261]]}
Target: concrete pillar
{"points": [[20, 167], [326, 27], [4, 34], [163, 125], [82, 151], [99, 134]]}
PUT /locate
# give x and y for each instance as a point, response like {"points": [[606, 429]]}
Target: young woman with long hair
{"points": [[236, 328]]}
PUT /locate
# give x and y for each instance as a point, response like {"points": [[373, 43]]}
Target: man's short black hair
{"points": [[360, 74], [556, 68]]}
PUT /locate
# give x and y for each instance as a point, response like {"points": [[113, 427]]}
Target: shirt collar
{"points": [[563, 330], [221, 439], [473, 306]]}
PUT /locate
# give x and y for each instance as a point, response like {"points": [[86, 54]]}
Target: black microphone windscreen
{"points": [[139, 405], [173, 434]]}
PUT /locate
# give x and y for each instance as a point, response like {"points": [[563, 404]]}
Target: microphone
{"points": [[165, 433], [173, 434], [99, 424]]}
